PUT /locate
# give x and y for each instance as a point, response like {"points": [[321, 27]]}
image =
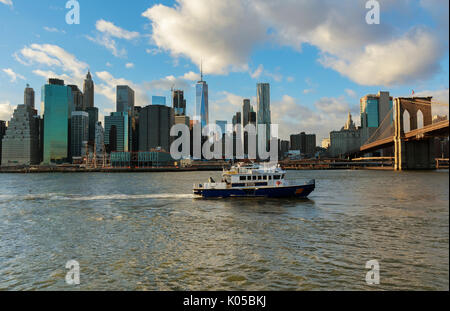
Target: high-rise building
{"points": [[246, 112], [125, 99], [20, 144], [77, 98], [28, 97], [88, 90], [179, 103], [2, 133], [79, 133], [57, 107], [159, 100], [155, 122], [237, 119], [99, 138], [306, 143], [93, 119], [116, 132], [135, 129], [201, 104], [263, 111], [374, 109]]}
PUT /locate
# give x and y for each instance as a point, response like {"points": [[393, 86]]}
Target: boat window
{"points": [[276, 177], [283, 176], [259, 177], [254, 177], [242, 178], [270, 177], [249, 177]]}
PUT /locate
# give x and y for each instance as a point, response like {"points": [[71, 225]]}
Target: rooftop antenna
{"points": [[201, 70]]}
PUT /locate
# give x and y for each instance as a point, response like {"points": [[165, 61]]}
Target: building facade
{"points": [[159, 100], [88, 90], [263, 113], [305, 143], [348, 139], [155, 122], [77, 98], [201, 103], [178, 103], [79, 133], [116, 132], [57, 107], [99, 138], [28, 97], [2, 133], [20, 144], [93, 119], [125, 99]]}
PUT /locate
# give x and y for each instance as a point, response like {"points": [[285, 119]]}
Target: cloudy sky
{"points": [[320, 56]]}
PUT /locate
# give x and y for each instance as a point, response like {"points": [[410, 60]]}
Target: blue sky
{"points": [[319, 56]]}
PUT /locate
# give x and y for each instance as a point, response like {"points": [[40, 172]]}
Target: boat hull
{"points": [[301, 191]]}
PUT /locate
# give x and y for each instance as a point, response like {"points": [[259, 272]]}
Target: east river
{"points": [[145, 231]]}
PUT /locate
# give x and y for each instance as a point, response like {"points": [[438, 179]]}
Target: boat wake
{"points": [[62, 197]]}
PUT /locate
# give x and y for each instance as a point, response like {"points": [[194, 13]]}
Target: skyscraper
{"points": [[116, 131], [125, 99], [374, 109], [93, 119], [306, 143], [263, 111], [28, 97], [20, 144], [77, 98], [155, 122], [99, 138], [88, 90], [246, 112], [79, 125], [57, 107], [179, 103], [201, 104]]}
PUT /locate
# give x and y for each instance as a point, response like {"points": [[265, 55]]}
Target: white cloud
{"points": [[350, 93], [293, 117], [109, 44], [221, 33], [13, 75], [257, 73], [224, 33], [410, 58], [191, 76], [53, 29], [107, 31], [129, 65], [7, 2], [6, 110], [115, 31]]}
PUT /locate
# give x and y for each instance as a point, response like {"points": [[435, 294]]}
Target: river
{"points": [[145, 231]]}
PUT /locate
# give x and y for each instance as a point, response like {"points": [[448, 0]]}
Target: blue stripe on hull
{"points": [[276, 192]]}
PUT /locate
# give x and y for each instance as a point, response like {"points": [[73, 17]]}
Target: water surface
{"points": [[145, 231]]}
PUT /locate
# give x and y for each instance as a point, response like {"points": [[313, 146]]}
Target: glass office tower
{"points": [[201, 104], [116, 131], [159, 100], [57, 107], [263, 111]]}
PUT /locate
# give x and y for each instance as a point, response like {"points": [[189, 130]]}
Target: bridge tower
{"points": [[416, 153]]}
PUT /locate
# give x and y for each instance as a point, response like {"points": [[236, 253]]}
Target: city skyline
{"points": [[307, 92]]}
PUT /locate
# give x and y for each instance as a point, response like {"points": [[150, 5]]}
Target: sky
{"points": [[319, 56]]}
